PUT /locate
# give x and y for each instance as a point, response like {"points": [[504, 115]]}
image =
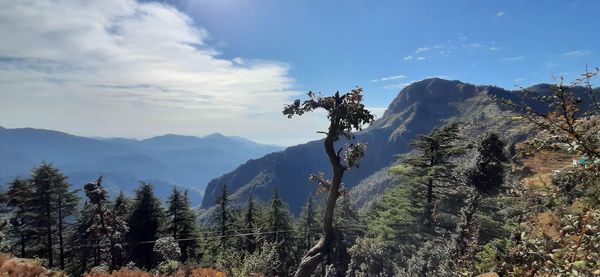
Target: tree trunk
{"points": [[60, 235], [429, 206], [313, 257], [22, 242], [49, 235]]}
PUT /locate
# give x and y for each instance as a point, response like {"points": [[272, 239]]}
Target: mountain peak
{"points": [[432, 91], [216, 135]]}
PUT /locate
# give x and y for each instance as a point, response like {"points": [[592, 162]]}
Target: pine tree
{"points": [[182, 223], [279, 231], [430, 165], [19, 201], [250, 225], [348, 229], [307, 226], [122, 209], [98, 231], [82, 242], [66, 206], [52, 201], [484, 175], [145, 223], [223, 218]]}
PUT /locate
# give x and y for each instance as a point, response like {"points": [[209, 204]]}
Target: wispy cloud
{"points": [[500, 14], [130, 63], [389, 78], [462, 44], [422, 49], [512, 59], [397, 86], [405, 84], [577, 53], [472, 45]]}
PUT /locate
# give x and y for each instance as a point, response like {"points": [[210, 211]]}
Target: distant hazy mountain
{"points": [[166, 161], [417, 109]]}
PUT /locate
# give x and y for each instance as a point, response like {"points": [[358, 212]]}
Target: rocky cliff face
{"points": [[417, 109]]}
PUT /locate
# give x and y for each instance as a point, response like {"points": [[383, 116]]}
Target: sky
{"points": [[136, 69]]}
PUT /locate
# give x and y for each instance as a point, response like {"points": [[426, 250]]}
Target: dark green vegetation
{"points": [[459, 183]]}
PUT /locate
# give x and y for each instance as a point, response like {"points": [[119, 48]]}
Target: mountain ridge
{"points": [[418, 108], [187, 162]]}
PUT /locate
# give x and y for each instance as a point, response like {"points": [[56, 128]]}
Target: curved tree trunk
{"points": [[315, 255]]}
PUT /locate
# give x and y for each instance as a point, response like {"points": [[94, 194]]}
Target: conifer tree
{"points": [[82, 242], [19, 201], [484, 176], [348, 229], [250, 225], [122, 209], [279, 224], [430, 165], [145, 223], [182, 222], [223, 218], [52, 201], [307, 226]]}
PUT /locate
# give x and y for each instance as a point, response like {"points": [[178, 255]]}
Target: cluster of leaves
{"points": [[236, 263], [346, 111], [568, 118]]}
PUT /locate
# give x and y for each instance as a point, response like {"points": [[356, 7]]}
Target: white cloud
{"points": [[389, 78], [493, 48], [422, 49], [512, 59], [577, 53], [472, 45], [405, 84], [408, 58], [397, 86], [125, 68], [500, 14], [421, 58]]}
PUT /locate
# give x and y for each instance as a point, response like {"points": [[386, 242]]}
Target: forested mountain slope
{"points": [[417, 109]]}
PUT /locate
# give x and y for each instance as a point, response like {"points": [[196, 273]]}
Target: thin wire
{"points": [[339, 227]]}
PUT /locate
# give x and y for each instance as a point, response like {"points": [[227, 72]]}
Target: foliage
{"points": [[223, 217], [570, 120], [181, 223], [345, 113], [278, 226], [145, 223], [191, 272], [98, 232], [370, 257], [11, 266], [51, 202], [430, 165], [167, 249], [242, 263]]}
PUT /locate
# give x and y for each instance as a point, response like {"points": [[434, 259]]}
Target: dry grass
{"points": [[11, 266], [198, 272]]}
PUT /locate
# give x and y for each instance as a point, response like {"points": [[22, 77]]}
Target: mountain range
{"points": [[170, 160], [418, 108]]}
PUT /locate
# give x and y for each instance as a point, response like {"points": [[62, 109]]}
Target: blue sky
{"points": [[138, 69], [333, 45]]}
